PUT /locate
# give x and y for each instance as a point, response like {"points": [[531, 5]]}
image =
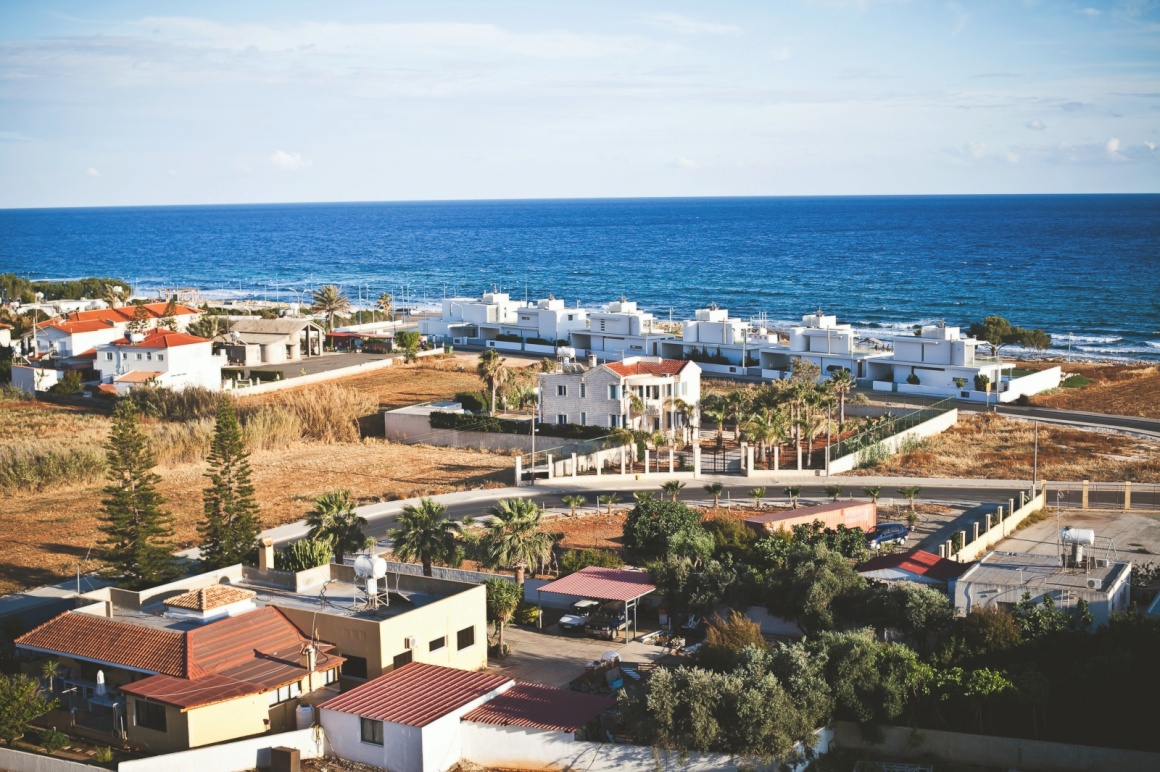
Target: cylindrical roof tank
{"points": [[1071, 535]]}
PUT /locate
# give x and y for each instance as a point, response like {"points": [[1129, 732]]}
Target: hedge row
{"points": [[485, 423]]}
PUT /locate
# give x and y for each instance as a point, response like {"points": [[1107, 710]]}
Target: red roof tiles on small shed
{"points": [[918, 562], [663, 367], [415, 694], [603, 583], [541, 707]]}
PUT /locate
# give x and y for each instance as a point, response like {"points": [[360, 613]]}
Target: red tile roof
{"points": [[136, 376], [791, 514], [186, 694], [72, 327], [96, 638], [917, 562], [160, 338], [416, 694], [603, 583], [541, 707], [663, 367], [208, 598]]}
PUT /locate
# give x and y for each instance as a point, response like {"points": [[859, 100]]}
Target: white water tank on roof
{"points": [[1071, 535], [304, 717], [363, 566]]}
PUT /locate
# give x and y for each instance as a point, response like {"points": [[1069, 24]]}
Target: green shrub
{"points": [[913, 379], [103, 754], [1075, 382], [981, 382], [304, 554], [527, 614], [69, 384], [10, 392], [492, 425], [52, 740], [509, 337], [960, 382], [473, 401], [574, 560]]}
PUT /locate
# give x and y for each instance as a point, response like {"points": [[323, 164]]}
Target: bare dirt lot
{"points": [[1116, 389], [991, 446]]}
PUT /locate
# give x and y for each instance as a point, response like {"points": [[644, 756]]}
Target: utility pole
{"points": [[1035, 463]]}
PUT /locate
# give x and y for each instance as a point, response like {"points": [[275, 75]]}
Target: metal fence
{"points": [[888, 426]]}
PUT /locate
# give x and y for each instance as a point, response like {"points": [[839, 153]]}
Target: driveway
{"points": [[548, 657]]}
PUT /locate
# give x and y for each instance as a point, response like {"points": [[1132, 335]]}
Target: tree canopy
{"points": [[999, 332]]}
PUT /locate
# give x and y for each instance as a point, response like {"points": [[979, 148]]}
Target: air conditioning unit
{"points": [[1095, 584], [412, 641], [1101, 562]]}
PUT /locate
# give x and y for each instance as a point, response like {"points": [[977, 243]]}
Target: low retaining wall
{"points": [[936, 425], [19, 761], [973, 549], [1001, 752], [305, 380], [232, 757]]}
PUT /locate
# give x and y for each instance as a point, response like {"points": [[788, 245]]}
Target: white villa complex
{"points": [[720, 344], [621, 331], [161, 357], [667, 394], [820, 340]]}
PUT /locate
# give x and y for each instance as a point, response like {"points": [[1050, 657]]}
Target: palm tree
{"points": [[50, 669], [717, 416], [574, 502], [492, 370], [834, 492], [911, 493], [643, 496], [673, 488], [736, 404], [384, 303], [111, 294], [813, 425], [513, 538], [334, 519], [873, 491], [714, 490], [424, 534], [635, 404], [609, 500], [503, 598], [756, 494], [794, 492], [330, 300], [842, 382]]}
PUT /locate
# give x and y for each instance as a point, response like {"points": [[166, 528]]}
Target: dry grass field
{"points": [[992, 446], [51, 526], [1116, 389]]}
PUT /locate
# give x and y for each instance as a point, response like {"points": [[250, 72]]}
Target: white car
{"points": [[579, 614]]}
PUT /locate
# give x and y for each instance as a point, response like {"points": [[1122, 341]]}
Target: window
{"points": [[284, 693], [149, 355], [109, 356], [613, 391], [150, 715], [602, 325], [370, 731], [138, 355], [584, 391], [330, 676], [561, 418], [160, 357], [583, 419], [561, 390], [437, 644], [614, 421], [355, 667], [465, 638], [403, 659]]}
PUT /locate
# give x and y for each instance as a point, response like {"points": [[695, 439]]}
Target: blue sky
{"points": [[124, 103]]}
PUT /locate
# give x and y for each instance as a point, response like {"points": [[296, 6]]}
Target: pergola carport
{"points": [[606, 584]]}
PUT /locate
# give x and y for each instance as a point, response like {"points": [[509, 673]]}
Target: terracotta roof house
{"points": [[668, 390], [171, 359]]}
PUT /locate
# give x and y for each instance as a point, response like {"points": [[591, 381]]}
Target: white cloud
{"points": [[1012, 157], [1092, 12], [290, 162], [686, 26], [1036, 125], [92, 172], [688, 163], [977, 149], [1113, 148], [1150, 145]]}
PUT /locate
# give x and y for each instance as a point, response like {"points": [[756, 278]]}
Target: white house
{"points": [[253, 341], [621, 331], [172, 359], [669, 391], [538, 328], [820, 340], [408, 720], [461, 318], [719, 343], [1002, 578]]}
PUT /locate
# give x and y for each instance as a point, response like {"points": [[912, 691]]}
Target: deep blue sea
{"points": [[1086, 265]]}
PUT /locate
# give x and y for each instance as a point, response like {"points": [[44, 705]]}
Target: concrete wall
{"points": [[223, 721], [520, 748], [403, 427], [229, 757], [19, 761], [329, 375], [974, 550], [997, 752], [1032, 384], [33, 379], [174, 738], [936, 425]]}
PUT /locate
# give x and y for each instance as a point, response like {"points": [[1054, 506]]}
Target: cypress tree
{"points": [[231, 525], [136, 546], [169, 315]]}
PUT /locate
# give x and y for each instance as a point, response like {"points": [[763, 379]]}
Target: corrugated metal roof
{"points": [[789, 514], [105, 640], [415, 694], [917, 562], [185, 693], [603, 583], [541, 707], [236, 641]]}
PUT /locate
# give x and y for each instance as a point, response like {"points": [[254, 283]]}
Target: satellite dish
{"points": [[363, 566]]}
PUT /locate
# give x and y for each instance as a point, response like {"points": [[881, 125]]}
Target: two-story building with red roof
{"points": [[163, 357]]}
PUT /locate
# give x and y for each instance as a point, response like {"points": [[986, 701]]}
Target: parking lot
{"points": [[553, 658]]}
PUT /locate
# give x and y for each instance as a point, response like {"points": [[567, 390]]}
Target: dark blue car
{"points": [[887, 533]]}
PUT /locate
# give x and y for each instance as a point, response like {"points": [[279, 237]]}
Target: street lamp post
{"points": [[298, 300], [535, 414]]}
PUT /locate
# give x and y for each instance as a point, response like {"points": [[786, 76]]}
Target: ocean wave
{"points": [[1152, 343], [1062, 339], [1150, 348]]}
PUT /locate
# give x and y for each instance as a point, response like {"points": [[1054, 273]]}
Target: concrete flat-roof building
{"points": [[1002, 578]]}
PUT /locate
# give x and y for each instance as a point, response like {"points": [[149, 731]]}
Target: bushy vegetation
{"points": [[575, 560], [18, 288], [329, 413], [190, 404], [1075, 382], [477, 423], [304, 554]]}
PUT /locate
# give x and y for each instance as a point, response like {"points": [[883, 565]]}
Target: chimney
{"points": [[592, 360], [266, 554]]}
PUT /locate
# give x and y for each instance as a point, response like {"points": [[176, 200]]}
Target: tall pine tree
{"points": [[169, 315], [230, 528], [136, 547]]}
